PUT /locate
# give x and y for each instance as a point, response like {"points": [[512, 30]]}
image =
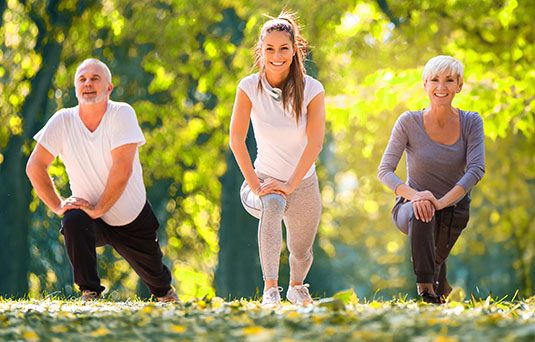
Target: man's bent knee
{"points": [[75, 219]]}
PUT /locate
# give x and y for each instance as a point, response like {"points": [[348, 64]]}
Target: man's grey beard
{"points": [[94, 100]]}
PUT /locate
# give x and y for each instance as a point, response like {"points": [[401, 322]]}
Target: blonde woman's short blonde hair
{"points": [[439, 64]]}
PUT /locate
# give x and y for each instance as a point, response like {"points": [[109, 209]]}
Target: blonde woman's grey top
{"points": [[430, 165]]}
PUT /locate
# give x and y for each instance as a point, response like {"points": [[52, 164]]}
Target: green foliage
{"points": [[374, 74], [216, 320], [178, 64]]}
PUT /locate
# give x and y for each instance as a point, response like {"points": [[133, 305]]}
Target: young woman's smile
{"points": [[277, 51]]}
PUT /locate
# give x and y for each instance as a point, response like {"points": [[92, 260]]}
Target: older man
{"points": [[98, 142]]}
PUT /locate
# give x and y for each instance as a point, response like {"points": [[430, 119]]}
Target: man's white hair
{"points": [[439, 64], [107, 72]]}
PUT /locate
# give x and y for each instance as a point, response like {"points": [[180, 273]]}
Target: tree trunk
{"points": [[238, 272], [15, 189], [14, 221]]}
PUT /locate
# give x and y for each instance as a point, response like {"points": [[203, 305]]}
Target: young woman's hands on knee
{"points": [[264, 189], [271, 185]]}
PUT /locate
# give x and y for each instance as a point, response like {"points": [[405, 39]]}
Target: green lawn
{"points": [[217, 320]]}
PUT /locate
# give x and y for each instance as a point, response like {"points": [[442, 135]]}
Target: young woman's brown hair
{"points": [[293, 88]]}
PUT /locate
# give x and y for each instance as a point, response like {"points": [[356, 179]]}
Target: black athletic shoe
{"points": [[432, 299]]}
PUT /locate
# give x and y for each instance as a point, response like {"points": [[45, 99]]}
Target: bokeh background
{"points": [[178, 63]]}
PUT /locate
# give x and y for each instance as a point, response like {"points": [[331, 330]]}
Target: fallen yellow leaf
{"points": [[446, 339], [59, 329], [31, 336], [293, 314], [178, 328], [148, 308], [252, 330], [100, 332]]}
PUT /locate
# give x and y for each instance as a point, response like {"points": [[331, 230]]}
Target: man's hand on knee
{"points": [[70, 204]]}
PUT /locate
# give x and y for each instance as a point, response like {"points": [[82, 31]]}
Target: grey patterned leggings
{"points": [[301, 212]]}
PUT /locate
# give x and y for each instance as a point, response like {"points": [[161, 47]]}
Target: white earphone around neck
{"points": [[275, 93]]}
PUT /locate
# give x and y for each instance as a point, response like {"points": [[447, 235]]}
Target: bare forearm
{"points": [[414, 196], [451, 196], [409, 193], [116, 183], [239, 149], [405, 191], [120, 172], [309, 156], [44, 187], [37, 171], [315, 135]]}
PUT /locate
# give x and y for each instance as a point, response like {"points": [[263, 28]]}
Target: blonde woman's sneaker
{"points": [[299, 295], [88, 295], [170, 297], [272, 298]]}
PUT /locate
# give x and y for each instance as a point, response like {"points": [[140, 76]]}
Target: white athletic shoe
{"points": [[299, 295], [272, 298]]}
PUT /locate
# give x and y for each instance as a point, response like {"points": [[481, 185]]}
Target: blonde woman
{"points": [[445, 159]]}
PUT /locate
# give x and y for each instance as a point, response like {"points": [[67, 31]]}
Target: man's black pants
{"points": [[137, 242], [431, 242]]}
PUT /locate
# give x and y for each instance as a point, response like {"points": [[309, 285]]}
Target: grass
{"points": [[341, 318]]}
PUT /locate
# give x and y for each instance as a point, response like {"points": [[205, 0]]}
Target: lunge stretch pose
{"points": [[445, 159], [287, 111], [98, 142]]}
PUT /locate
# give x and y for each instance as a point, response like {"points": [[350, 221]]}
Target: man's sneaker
{"points": [[170, 297], [299, 295], [88, 295], [272, 298], [432, 299]]}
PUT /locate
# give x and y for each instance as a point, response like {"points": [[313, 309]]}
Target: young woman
{"points": [[287, 111], [445, 159]]}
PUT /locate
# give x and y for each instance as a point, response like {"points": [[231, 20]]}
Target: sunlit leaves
{"points": [[178, 64], [373, 75], [19, 63], [342, 318]]}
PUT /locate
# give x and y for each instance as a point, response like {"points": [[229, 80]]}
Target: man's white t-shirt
{"points": [[87, 156], [279, 139]]}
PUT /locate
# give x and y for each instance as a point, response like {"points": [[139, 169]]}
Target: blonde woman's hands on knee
{"points": [[423, 210]]}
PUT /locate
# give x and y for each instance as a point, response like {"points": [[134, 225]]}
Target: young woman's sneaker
{"points": [[299, 295], [272, 298], [170, 297]]}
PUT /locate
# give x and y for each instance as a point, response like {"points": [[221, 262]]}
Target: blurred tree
{"points": [[32, 33], [375, 71], [176, 81], [179, 63], [161, 76], [238, 272]]}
